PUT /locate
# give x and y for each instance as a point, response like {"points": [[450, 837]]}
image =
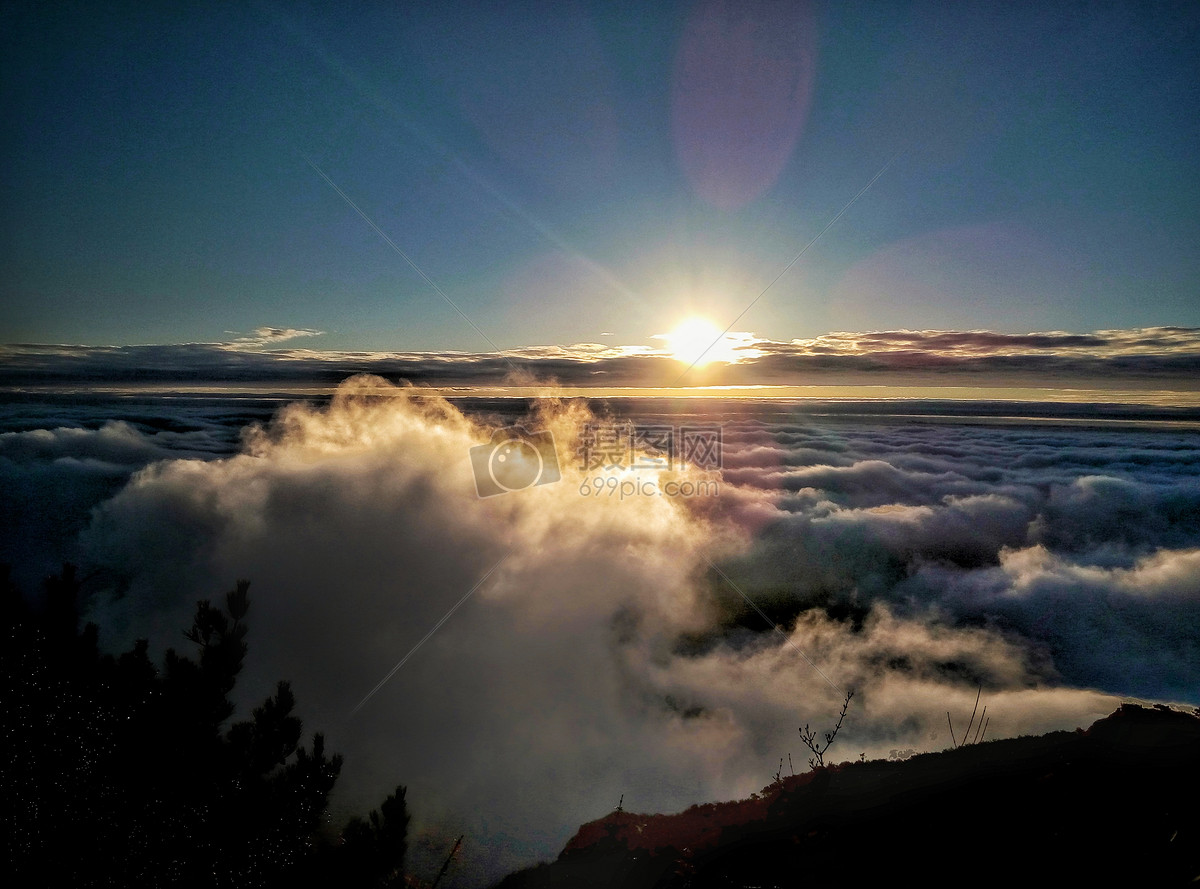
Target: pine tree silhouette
{"points": [[118, 773], [375, 848]]}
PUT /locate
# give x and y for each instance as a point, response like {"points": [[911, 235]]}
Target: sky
{"points": [[278, 280], [594, 173]]}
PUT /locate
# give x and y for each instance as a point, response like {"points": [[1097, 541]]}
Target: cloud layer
{"points": [[1167, 357], [1083, 542], [604, 653]]}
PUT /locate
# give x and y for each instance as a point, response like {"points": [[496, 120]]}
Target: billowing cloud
{"points": [[603, 652], [51, 477], [360, 527], [117, 443], [1129, 628], [1081, 541]]}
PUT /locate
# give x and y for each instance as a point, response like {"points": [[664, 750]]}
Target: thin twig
{"points": [[809, 737], [446, 866], [982, 716], [967, 733]]}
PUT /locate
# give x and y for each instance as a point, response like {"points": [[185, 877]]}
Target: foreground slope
{"points": [[1118, 801]]}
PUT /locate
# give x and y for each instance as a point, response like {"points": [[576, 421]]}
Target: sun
{"points": [[697, 341]]}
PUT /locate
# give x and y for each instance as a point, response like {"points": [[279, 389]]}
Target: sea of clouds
{"points": [[608, 647]]}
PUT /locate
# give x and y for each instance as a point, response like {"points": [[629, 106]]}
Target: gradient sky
{"points": [[210, 216], [574, 173]]}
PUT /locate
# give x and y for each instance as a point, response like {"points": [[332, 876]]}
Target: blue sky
{"points": [[568, 171]]}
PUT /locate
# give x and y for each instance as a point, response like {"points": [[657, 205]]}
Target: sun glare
{"points": [[698, 341]]}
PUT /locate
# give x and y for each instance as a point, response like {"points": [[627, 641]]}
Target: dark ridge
{"points": [[1116, 804]]}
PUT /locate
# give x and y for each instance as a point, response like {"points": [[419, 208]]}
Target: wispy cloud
{"points": [[269, 336]]}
